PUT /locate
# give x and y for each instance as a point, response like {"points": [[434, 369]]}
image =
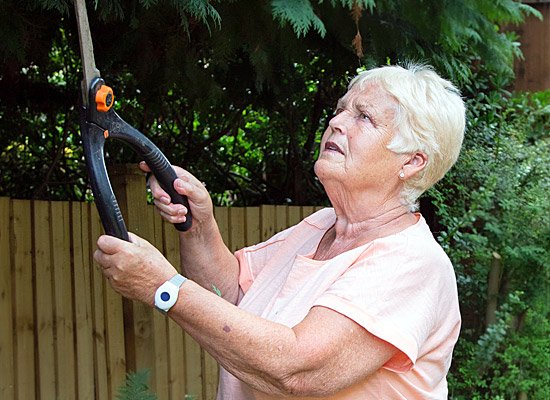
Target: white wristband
{"points": [[167, 293]]}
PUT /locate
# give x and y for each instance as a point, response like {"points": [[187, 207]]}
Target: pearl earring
{"points": [[401, 175]]}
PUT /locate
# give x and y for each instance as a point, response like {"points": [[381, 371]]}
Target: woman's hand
{"points": [[187, 185], [134, 269]]}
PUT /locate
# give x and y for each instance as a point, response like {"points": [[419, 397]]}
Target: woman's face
{"points": [[353, 148]]}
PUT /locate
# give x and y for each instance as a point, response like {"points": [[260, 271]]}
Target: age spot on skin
{"points": [[226, 329]]}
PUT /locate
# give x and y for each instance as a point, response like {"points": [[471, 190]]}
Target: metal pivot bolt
{"points": [[104, 98]]}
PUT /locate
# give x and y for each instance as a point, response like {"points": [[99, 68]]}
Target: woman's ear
{"points": [[415, 163]]}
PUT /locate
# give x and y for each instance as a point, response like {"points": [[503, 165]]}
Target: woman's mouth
{"points": [[331, 146]]}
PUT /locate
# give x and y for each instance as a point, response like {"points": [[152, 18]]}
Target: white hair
{"points": [[430, 119]]}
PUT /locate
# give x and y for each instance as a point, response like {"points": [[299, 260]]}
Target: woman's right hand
{"points": [[186, 185]]}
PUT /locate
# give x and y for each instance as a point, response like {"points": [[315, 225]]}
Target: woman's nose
{"points": [[338, 123]]}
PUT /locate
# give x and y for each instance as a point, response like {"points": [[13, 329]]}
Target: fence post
{"points": [[128, 183]]}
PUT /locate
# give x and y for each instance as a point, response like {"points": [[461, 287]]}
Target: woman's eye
{"points": [[338, 111], [364, 116]]}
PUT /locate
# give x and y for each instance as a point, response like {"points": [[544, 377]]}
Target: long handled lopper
{"points": [[99, 122]]}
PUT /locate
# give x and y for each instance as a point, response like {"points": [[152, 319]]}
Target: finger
{"points": [[158, 192], [163, 200], [173, 209], [173, 219], [184, 186], [189, 177], [102, 260], [195, 191], [144, 167]]}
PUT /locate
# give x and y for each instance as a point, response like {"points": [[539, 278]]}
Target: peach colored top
{"points": [[401, 288]]}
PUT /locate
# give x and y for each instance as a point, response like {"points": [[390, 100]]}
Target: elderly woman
{"points": [[357, 301]]}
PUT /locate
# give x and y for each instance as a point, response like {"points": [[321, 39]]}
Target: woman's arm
{"points": [[323, 354], [204, 256]]}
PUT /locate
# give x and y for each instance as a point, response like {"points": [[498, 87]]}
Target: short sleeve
{"points": [[393, 291]]}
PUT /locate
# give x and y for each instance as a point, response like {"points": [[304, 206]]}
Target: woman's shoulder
{"points": [[413, 249]]}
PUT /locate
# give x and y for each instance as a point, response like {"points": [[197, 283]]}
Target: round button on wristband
{"points": [[167, 293]]}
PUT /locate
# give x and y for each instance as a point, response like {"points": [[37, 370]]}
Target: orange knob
{"points": [[104, 98]]}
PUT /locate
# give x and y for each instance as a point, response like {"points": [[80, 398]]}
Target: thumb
{"points": [[135, 239], [110, 244], [139, 242]]}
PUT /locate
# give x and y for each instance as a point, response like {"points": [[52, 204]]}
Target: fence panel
{"points": [[44, 299], [23, 300], [65, 357], [66, 334], [7, 383]]}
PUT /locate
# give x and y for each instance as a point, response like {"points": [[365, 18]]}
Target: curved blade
{"points": [[86, 49]]}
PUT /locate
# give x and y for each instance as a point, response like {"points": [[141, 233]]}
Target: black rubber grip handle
{"points": [[96, 126], [155, 159], [105, 200]]}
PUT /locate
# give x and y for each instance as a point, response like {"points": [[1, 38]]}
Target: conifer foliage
{"points": [[238, 92]]}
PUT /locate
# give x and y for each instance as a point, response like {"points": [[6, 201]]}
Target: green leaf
{"points": [[299, 14]]}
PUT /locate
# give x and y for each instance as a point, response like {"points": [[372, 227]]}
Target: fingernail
{"points": [[179, 183], [165, 200]]}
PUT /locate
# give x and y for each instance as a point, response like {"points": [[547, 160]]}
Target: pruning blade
{"points": [[86, 49]]}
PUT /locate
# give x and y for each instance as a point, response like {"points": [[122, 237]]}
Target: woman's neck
{"points": [[362, 220], [368, 221]]}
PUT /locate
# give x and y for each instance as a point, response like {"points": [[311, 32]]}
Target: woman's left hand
{"points": [[134, 269]]}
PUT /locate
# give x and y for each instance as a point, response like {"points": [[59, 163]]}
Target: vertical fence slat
{"points": [[159, 374], [267, 215], [253, 225], [193, 368], [83, 306], [281, 218], [176, 355], [23, 291], [63, 301], [307, 211], [114, 330], [101, 368], [236, 229], [294, 215], [192, 350], [210, 376], [44, 299], [7, 383], [222, 218], [129, 186], [193, 385], [110, 365]]}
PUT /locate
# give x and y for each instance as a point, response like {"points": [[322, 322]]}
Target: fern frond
{"points": [[136, 387]]}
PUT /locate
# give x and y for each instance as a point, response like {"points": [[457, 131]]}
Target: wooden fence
{"points": [[65, 334]]}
